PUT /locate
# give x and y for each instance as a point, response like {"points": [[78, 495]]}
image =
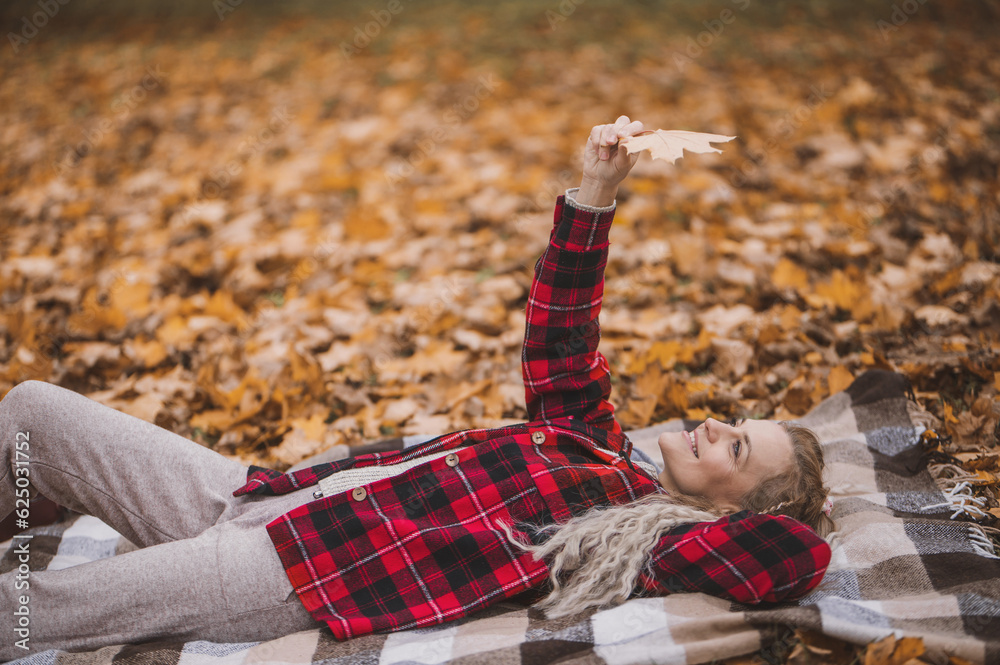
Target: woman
{"points": [[421, 536]]}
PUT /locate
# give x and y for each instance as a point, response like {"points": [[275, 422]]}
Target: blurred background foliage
{"points": [[256, 226]]}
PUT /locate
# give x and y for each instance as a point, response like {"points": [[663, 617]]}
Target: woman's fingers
{"points": [[609, 136], [607, 139], [596, 142], [597, 135], [631, 129], [610, 133], [604, 138], [620, 124]]}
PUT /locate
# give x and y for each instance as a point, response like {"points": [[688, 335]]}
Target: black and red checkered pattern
{"points": [[424, 547]]}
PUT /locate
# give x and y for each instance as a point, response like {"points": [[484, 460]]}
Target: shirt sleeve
{"points": [[747, 557], [564, 375]]}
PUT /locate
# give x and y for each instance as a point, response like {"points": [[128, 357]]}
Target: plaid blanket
{"points": [[898, 567]]}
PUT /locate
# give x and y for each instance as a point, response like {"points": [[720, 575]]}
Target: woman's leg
{"points": [[225, 585], [149, 484]]}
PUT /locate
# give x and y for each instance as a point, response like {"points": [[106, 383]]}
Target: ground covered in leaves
{"points": [[278, 233]]}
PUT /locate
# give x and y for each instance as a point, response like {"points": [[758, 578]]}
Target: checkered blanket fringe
{"points": [[907, 560]]}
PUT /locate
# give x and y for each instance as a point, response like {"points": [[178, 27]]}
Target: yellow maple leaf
{"points": [[879, 653], [365, 224], [984, 478], [839, 378], [787, 274], [908, 648], [313, 427], [666, 353], [217, 420], [131, 297], [671, 144], [840, 291], [150, 353], [222, 306], [175, 332]]}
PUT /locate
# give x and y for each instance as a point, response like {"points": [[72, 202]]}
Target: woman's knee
{"points": [[31, 407], [20, 398], [25, 393]]}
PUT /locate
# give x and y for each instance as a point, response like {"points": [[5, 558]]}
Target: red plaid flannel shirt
{"points": [[424, 547]]}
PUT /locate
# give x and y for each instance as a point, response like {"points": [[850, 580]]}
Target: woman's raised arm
{"points": [[563, 373]]}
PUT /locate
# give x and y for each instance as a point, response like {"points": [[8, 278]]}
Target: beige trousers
{"points": [[206, 569]]}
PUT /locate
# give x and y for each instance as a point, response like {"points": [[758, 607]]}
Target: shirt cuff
{"points": [[571, 199], [581, 227]]}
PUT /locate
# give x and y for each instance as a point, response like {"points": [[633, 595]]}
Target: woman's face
{"points": [[723, 461]]}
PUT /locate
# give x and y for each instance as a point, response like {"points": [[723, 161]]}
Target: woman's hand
{"points": [[605, 162]]}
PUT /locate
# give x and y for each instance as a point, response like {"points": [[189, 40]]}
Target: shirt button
{"points": [[451, 460], [318, 494], [359, 493], [538, 437]]}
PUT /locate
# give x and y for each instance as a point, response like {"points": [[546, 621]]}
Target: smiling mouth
{"points": [[693, 440]]}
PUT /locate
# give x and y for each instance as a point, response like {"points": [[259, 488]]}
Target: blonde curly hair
{"points": [[602, 552]]}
